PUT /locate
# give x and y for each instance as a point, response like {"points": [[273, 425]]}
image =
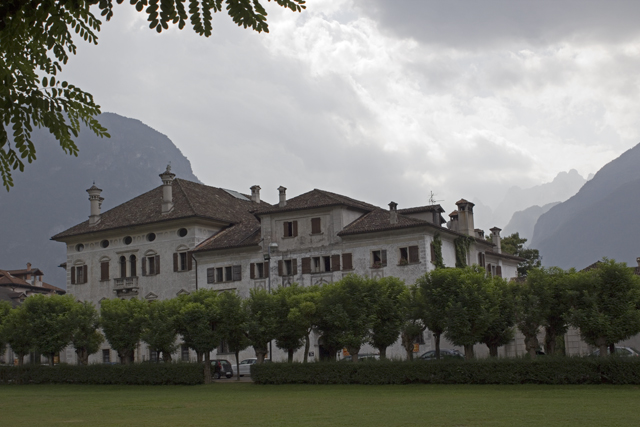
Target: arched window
{"points": [[132, 262], [123, 267]]}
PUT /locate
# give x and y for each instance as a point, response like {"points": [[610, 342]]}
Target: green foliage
{"points": [[296, 309], [514, 245], [501, 309], [462, 245], [15, 330], [261, 323], [437, 249], [197, 320], [389, 296], [134, 374], [86, 338], [5, 308], [549, 370], [606, 304], [232, 323], [122, 322], [160, 330], [530, 316], [36, 39]]}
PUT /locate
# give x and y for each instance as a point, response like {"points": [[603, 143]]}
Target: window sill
{"points": [[316, 234]]}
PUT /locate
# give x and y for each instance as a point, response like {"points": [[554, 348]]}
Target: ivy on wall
{"points": [[462, 245], [437, 251]]}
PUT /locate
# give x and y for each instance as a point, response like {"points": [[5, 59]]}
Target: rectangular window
{"points": [[326, 263], [288, 270], [182, 261], [316, 226], [106, 356], [152, 265], [153, 356], [347, 262], [481, 261], [499, 271], [104, 271], [404, 256], [81, 274], [184, 353], [219, 274], [379, 258], [228, 274], [315, 264], [290, 228], [288, 267], [409, 255], [258, 270], [211, 275], [223, 347]]}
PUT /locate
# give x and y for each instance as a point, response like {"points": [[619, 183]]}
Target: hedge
{"points": [[134, 374], [547, 370]]}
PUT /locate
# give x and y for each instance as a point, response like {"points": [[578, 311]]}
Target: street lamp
{"points": [[267, 257]]}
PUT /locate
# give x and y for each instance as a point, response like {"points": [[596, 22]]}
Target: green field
{"points": [[246, 404]]}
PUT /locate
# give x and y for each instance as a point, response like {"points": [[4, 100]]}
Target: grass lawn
{"points": [[246, 404]]}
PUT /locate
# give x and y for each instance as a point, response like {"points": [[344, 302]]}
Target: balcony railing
{"points": [[126, 282]]}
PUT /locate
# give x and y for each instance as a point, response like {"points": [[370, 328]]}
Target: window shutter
{"points": [[104, 271], [335, 262], [175, 261], [383, 257], [189, 261], [280, 268], [265, 269], [285, 231], [295, 228], [237, 273], [499, 271], [211, 275], [347, 262], [315, 226], [144, 266], [157, 264], [489, 269], [252, 273], [294, 266], [306, 265], [86, 273], [433, 252], [73, 275], [414, 254]]}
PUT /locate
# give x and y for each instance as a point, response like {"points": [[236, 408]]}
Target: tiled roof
{"points": [[315, 199], [190, 199], [7, 278], [238, 235], [10, 281], [24, 272], [418, 209], [378, 220]]}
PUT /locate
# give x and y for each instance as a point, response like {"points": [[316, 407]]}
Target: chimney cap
{"points": [[393, 206], [495, 230], [255, 187], [282, 189]]}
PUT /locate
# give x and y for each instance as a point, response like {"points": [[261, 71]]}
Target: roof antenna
{"points": [[432, 198]]}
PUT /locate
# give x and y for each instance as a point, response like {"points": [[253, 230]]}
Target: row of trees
{"points": [[462, 304]]}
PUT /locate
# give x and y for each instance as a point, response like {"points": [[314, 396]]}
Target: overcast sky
{"points": [[383, 100]]}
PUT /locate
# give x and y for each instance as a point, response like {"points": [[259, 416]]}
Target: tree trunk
{"points": [[290, 355], [437, 339], [207, 366], [468, 351], [602, 345], [493, 350], [237, 353], [199, 356], [549, 342], [51, 355], [383, 353], [260, 354], [353, 351], [612, 349], [166, 357], [307, 345], [531, 344]]}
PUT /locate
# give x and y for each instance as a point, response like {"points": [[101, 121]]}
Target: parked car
{"points": [[362, 357], [445, 353], [245, 365], [221, 367], [620, 351]]}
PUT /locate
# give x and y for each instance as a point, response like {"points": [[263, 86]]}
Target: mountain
{"points": [[600, 220], [524, 221], [50, 196], [563, 186]]}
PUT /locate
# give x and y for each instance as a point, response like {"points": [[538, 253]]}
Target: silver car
{"points": [[245, 366]]}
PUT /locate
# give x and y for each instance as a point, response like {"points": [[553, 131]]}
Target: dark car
{"points": [[445, 353], [221, 367]]}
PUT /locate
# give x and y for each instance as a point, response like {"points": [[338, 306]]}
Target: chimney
{"points": [[393, 213], [255, 194], [453, 221], [167, 195], [283, 197], [96, 202], [28, 270], [638, 261], [480, 233], [465, 217], [495, 238]]}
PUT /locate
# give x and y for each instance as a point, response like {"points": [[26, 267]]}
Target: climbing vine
{"points": [[437, 251], [462, 244]]}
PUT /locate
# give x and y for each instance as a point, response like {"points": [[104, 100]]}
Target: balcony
{"points": [[125, 286]]}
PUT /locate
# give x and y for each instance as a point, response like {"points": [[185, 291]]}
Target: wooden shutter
{"points": [[335, 262], [315, 226], [144, 266], [489, 269], [499, 271], [295, 228], [252, 273], [73, 275], [383, 257], [306, 265], [347, 262], [86, 273], [280, 268], [211, 275], [433, 252], [414, 254], [189, 261], [157, 264], [285, 231], [265, 269], [104, 271], [237, 273], [175, 261], [294, 266]]}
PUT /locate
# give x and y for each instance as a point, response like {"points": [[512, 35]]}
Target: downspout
{"points": [[196, 261]]}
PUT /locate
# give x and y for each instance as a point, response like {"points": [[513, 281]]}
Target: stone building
{"points": [[183, 236]]}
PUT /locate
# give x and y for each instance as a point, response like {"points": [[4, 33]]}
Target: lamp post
{"points": [[267, 257]]}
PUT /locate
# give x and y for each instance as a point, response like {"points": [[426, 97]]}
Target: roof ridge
{"points": [[186, 196]]}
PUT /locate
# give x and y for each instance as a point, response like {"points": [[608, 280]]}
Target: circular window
{"points": [[151, 237], [128, 240], [182, 232], [104, 243], [79, 247]]}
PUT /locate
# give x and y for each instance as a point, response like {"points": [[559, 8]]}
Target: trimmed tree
{"points": [[501, 307], [291, 325], [160, 330], [232, 324], [261, 324], [122, 322], [388, 294], [85, 338], [5, 308], [530, 310], [15, 330]]}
